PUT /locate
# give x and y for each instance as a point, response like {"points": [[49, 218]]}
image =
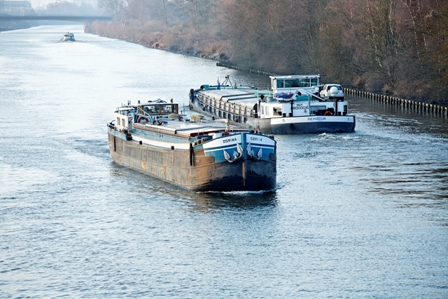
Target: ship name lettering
{"points": [[300, 107], [228, 140]]}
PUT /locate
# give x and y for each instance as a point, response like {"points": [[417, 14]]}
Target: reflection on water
{"points": [[358, 215], [142, 184], [399, 117], [207, 202]]}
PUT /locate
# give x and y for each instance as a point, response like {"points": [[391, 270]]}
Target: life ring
{"points": [[328, 113], [139, 120]]}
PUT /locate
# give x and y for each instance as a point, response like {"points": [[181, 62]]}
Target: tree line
{"points": [[396, 47]]}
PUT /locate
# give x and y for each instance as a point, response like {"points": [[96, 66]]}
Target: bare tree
{"points": [[112, 7], [199, 13]]}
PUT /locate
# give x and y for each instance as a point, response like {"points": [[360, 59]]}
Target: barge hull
{"points": [[312, 124], [191, 169]]}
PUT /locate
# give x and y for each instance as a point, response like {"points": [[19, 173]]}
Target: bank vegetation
{"points": [[395, 47]]}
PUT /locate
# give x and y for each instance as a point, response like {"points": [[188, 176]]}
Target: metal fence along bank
{"points": [[408, 104]]}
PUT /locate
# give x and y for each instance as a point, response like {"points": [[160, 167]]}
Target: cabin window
{"points": [[123, 122], [168, 109], [151, 109], [277, 111], [292, 83], [318, 110], [298, 82], [118, 121], [304, 82]]}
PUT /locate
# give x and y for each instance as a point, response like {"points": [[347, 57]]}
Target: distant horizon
{"points": [[43, 3], [40, 3]]}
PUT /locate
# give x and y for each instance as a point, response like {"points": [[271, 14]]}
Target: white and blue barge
{"points": [[291, 106], [155, 139]]}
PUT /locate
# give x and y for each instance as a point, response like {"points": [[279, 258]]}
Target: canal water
{"points": [[360, 215]]}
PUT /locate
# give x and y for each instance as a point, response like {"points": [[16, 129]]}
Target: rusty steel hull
{"points": [[192, 169]]}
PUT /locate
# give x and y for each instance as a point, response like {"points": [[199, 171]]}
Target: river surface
{"points": [[360, 215]]}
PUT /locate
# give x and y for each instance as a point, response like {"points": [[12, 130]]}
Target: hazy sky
{"points": [[37, 3]]}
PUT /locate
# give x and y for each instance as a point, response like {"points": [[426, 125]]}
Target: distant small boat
{"points": [[195, 154], [68, 37]]}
